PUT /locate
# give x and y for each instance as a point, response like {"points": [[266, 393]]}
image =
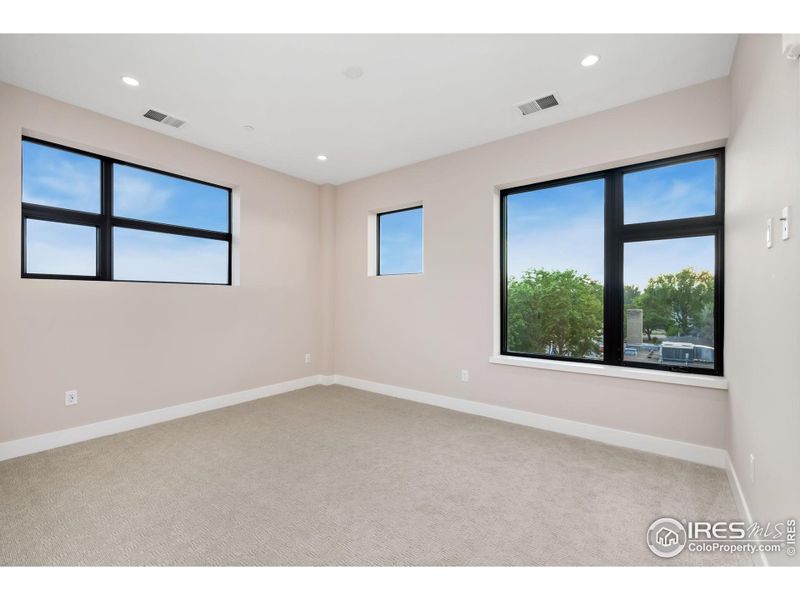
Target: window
{"points": [[400, 242], [621, 267], [91, 217]]}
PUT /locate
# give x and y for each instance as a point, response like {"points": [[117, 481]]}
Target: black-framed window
{"points": [[91, 217], [618, 267], [399, 241]]}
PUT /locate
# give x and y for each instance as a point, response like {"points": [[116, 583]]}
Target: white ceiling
{"points": [[420, 95]]}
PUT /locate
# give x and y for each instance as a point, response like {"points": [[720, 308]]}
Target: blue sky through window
{"points": [[149, 196], [556, 229], [671, 192], [562, 227], [63, 179], [53, 177], [644, 260], [60, 249], [401, 242], [150, 256]]}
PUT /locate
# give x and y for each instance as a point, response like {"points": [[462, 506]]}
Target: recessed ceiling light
{"points": [[131, 81], [590, 60], [322, 157], [353, 72]]}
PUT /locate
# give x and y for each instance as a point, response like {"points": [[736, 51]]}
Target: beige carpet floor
{"points": [[336, 476]]}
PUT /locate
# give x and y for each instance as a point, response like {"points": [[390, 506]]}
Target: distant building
{"points": [[635, 320], [690, 339]]}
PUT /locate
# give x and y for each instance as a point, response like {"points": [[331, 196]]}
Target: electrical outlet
{"points": [[464, 375], [70, 398], [308, 358], [752, 468]]}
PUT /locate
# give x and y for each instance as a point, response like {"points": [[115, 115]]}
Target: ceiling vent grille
{"points": [[542, 103], [164, 118], [173, 122]]}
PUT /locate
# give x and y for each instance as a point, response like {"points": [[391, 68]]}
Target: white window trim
{"points": [[692, 379], [372, 239]]}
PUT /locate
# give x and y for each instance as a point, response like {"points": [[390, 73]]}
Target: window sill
{"points": [[706, 381]]}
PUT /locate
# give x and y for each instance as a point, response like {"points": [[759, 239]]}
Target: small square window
{"points": [[400, 242]]}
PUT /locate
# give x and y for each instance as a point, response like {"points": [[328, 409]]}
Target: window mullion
{"points": [[105, 255], [719, 299], [59, 215], [156, 227], [613, 287]]}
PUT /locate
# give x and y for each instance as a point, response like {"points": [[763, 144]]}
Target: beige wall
{"points": [[762, 294], [132, 347], [419, 331]]}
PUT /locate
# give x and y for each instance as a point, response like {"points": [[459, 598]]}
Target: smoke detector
{"points": [[543, 103], [164, 118]]}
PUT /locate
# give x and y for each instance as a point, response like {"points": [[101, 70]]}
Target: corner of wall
{"points": [[762, 283], [327, 200]]}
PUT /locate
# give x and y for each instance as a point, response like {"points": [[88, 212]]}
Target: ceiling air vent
{"points": [[173, 122], [155, 115], [163, 118], [542, 103]]}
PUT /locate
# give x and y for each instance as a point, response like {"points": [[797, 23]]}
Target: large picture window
{"points": [[620, 267], [90, 217]]}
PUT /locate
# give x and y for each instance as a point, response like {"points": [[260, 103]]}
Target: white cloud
{"points": [[151, 256], [136, 196], [60, 249], [56, 181]]}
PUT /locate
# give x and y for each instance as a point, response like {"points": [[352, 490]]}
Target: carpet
{"points": [[337, 476]]}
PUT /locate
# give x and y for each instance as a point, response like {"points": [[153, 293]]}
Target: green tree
{"points": [[656, 314], [631, 293], [704, 323], [554, 311], [680, 303]]}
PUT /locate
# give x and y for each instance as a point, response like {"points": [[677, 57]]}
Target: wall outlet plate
{"points": [[70, 398], [308, 358], [464, 375]]}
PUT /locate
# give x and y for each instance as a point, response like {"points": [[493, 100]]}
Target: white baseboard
{"points": [[741, 504], [64, 437], [684, 450], [327, 379], [706, 455]]}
